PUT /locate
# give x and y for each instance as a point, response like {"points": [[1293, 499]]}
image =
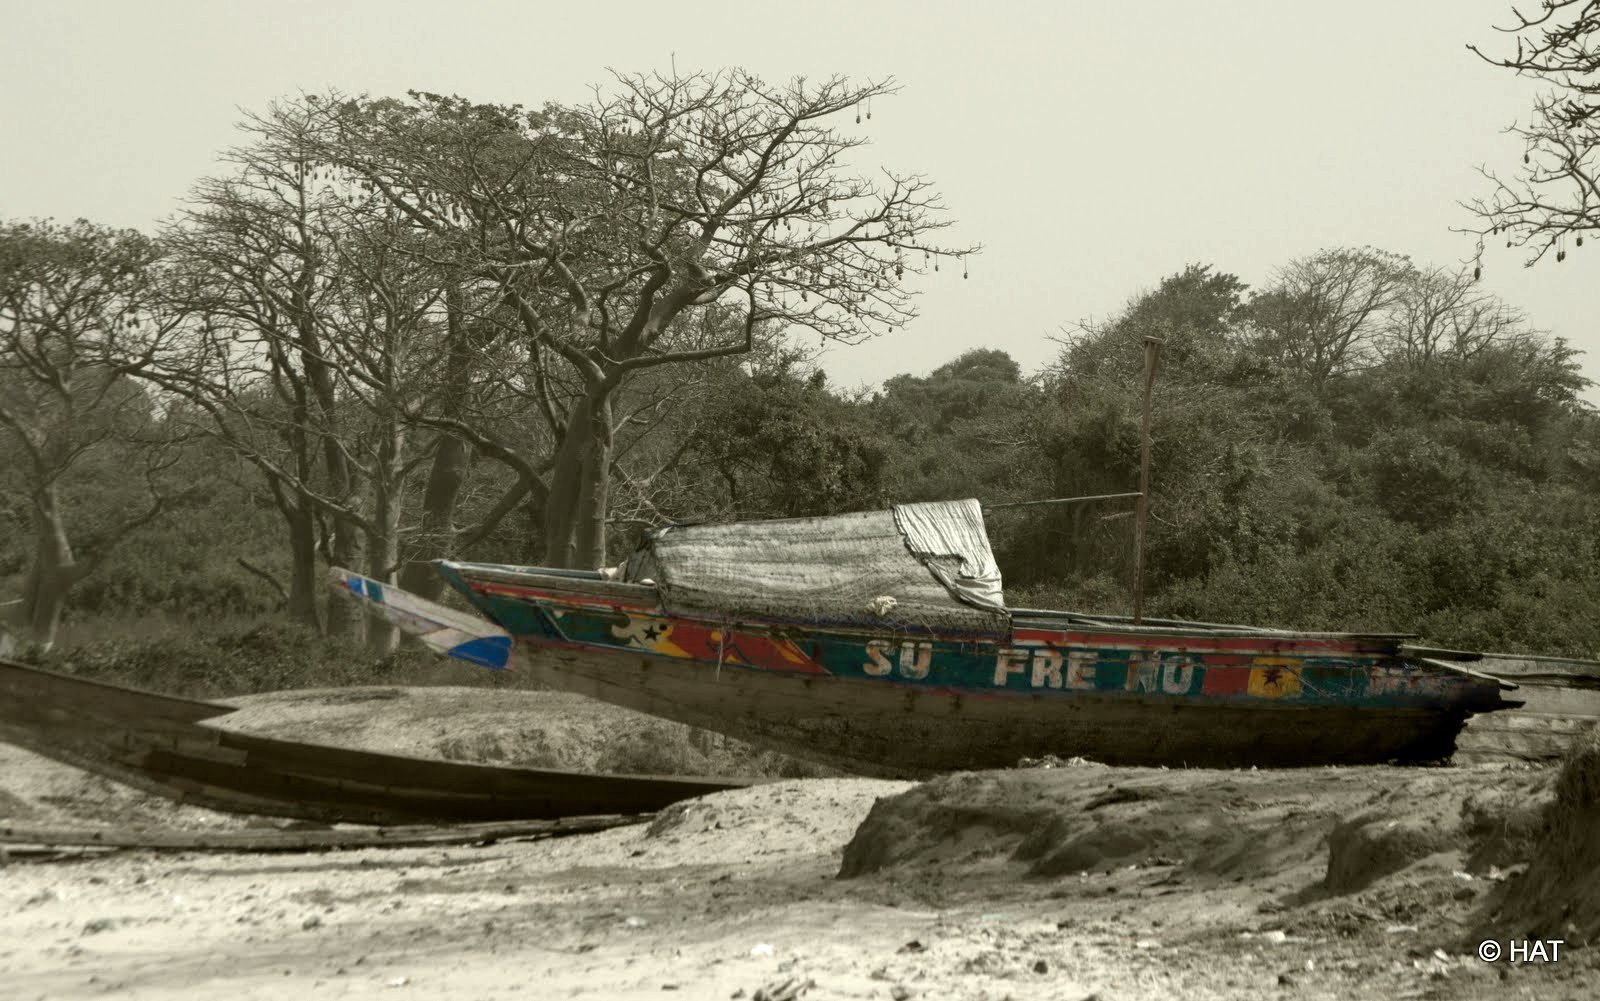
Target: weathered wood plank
{"points": [[1522, 735], [163, 747], [294, 840]]}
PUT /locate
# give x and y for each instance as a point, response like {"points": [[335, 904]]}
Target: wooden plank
{"points": [[1523, 736], [280, 840], [369, 767], [1550, 670], [32, 683], [1557, 699], [1452, 667]]}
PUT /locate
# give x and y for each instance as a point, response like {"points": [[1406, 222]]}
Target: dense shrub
{"points": [[234, 658]]}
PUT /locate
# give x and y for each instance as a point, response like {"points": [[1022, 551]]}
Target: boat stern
{"points": [[444, 630]]}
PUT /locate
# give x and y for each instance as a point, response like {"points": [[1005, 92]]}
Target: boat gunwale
{"points": [[592, 583]]}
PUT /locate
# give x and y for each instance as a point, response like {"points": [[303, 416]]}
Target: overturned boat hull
{"points": [[173, 747]]}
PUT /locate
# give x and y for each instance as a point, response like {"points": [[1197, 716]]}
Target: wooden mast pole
{"points": [[1152, 351]]}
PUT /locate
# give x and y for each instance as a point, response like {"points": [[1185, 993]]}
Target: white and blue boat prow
{"points": [[444, 630]]}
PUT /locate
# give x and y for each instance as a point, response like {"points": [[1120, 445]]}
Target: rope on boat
{"points": [[1057, 500]]}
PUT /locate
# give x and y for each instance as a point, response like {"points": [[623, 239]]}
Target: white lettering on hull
{"points": [[1078, 670], [1009, 661], [1143, 674], [915, 659], [877, 664]]}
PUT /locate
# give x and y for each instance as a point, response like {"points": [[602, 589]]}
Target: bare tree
{"points": [[76, 326], [388, 326], [1440, 314], [601, 226], [252, 263], [1321, 314], [1554, 198]]}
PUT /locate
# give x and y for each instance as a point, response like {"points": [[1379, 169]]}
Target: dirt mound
{"points": [[1331, 831], [1366, 849], [1066, 821], [1558, 896], [528, 728]]}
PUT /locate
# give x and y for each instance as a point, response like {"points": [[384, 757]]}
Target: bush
{"points": [[234, 658]]}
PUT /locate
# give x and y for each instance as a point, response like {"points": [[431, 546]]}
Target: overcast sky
{"points": [[1092, 148]]}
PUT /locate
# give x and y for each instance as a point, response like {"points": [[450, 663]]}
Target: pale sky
{"points": [[1092, 148]]}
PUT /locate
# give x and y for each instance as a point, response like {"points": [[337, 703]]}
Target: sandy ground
{"points": [[1067, 883]]}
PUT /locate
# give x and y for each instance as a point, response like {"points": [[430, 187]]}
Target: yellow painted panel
{"points": [[1275, 677]]}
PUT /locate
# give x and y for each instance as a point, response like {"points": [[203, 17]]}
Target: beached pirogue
{"points": [[879, 642]]}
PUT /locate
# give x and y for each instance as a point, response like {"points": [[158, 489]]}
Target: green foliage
{"points": [[780, 444], [963, 430], [1414, 477], [232, 658], [1452, 495]]}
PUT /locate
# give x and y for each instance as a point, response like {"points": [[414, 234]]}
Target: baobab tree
{"points": [[602, 228], [320, 322], [77, 325], [1553, 199], [252, 262]]}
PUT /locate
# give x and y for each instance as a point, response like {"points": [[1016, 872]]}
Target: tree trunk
{"points": [[303, 585], [446, 476], [533, 514], [290, 496], [448, 472], [51, 576], [383, 540], [575, 513], [589, 528], [345, 620]]}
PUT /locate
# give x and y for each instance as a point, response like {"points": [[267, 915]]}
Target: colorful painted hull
{"points": [[892, 704]]}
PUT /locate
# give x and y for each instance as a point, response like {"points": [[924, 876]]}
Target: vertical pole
{"points": [[1152, 350]]}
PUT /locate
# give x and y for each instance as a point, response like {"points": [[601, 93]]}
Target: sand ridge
{"points": [[1037, 883]]}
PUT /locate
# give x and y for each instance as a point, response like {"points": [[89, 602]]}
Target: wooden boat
{"points": [[181, 749], [878, 642], [1560, 706]]}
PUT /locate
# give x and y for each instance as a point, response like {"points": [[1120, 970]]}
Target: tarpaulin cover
{"points": [[949, 538], [918, 565]]}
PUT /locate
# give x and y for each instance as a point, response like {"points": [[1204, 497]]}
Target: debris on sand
{"points": [[1052, 761], [788, 990]]}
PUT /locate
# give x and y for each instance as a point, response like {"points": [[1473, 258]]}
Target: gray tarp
{"points": [[933, 560], [949, 537]]}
